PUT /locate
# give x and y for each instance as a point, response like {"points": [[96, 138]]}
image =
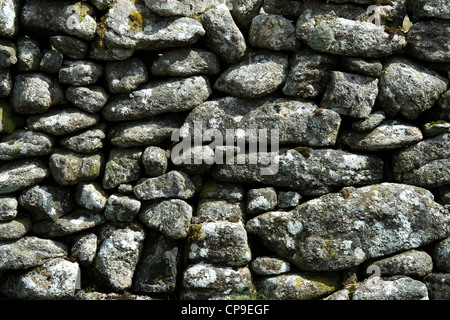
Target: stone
{"points": [[121, 208], [219, 242], [8, 54], [309, 73], [80, 72], [173, 184], [209, 210], [185, 8], [91, 196], [438, 285], [157, 270], [118, 255], [51, 62], [9, 22], [424, 164], [369, 123], [290, 8], [9, 121], [288, 199], [87, 295], [203, 281], [297, 121], [84, 249], [102, 4], [107, 53], [69, 168], [435, 128], [53, 280], [15, 229], [35, 93], [154, 160], [441, 255], [389, 135], [273, 32], [350, 94], [408, 89], [437, 9], [342, 230], [8, 208], [144, 133], [403, 288], [365, 67], [76, 221], [24, 143], [28, 54], [170, 217], [123, 166], [443, 195], [244, 11], [269, 266], [260, 74], [444, 101], [343, 294], [186, 62], [298, 286], [28, 252], [5, 83], [130, 24], [261, 200], [223, 35], [62, 121], [90, 99], [217, 190], [434, 51], [88, 141], [125, 76], [71, 47], [412, 263], [46, 202], [59, 17], [20, 174], [172, 95], [194, 160], [298, 170]]}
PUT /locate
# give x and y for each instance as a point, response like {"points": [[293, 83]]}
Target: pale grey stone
{"points": [[231, 192], [15, 229], [273, 32], [185, 8], [193, 160], [244, 11], [123, 166], [20, 174], [85, 248], [8, 208], [369, 123], [125, 76], [80, 72], [9, 14], [209, 210], [91, 196], [269, 266], [400, 289], [154, 160], [24, 143], [88, 141], [173, 184], [122, 208], [261, 200], [90, 99], [422, 9]]}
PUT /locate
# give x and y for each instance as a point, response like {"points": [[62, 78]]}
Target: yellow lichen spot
{"points": [[137, 21]]}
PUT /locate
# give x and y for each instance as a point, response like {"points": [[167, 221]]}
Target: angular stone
{"points": [[290, 8], [8, 54], [309, 73], [123, 166], [298, 286], [158, 267], [54, 280], [244, 11], [261, 200], [424, 164], [342, 230], [437, 9], [91, 196], [408, 88], [122, 208], [130, 24], [273, 32], [438, 285], [369, 123], [223, 35], [186, 62], [15, 229], [170, 217], [90, 99], [9, 14], [46, 202], [24, 143], [125, 76], [173, 184], [28, 54], [118, 255], [389, 135], [173, 95], [288, 199], [202, 281], [69, 46], [78, 220], [88, 141], [185, 8], [441, 255], [400, 289], [20, 174], [5, 83], [231, 192], [70, 168], [144, 133], [298, 122], [258, 75], [421, 47], [219, 242], [62, 121], [412, 263], [28, 252], [350, 94], [366, 67], [341, 30], [85, 248], [8, 208], [154, 160], [209, 210], [80, 72], [76, 19], [35, 93], [51, 62], [269, 266], [298, 170]]}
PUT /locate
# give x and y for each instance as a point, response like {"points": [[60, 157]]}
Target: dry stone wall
{"points": [[212, 149]]}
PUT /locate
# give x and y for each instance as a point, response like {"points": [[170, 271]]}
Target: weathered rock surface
{"points": [[18, 175], [87, 141], [122, 208], [154, 160], [269, 266], [441, 255], [273, 32], [261, 200], [209, 210], [90, 99], [125, 76], [71, 47], [8, 208], [401, 289], [181, 8], [438, 285], [421, 9], [173, 184], [25, 144], [8, 54], [85, 248], [244, 11], [9, 12], [80, 72], [15, 229], [90, 196], [123, 166]]}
